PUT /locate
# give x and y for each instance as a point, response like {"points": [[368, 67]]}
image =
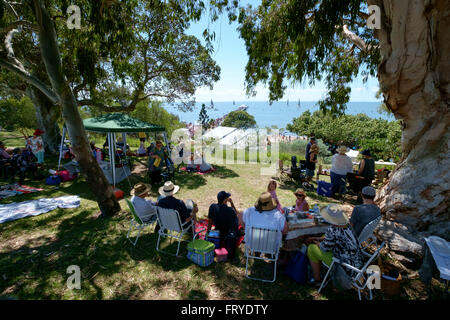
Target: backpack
{"points": [[297, 268], [53, 180], [230, 243]]}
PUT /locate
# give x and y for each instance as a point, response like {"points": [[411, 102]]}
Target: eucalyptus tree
{"points": [[139, 46], [406, 44]]}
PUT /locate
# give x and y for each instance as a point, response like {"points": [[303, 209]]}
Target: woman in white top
{"points": [[341, 164]]}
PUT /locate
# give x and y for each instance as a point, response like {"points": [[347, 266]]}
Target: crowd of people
{"points": [[341, 170], [20, 161], [340, 239]]}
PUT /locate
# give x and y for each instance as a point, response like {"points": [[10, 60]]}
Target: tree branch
{"points": [[27, 77], [354, 38], [15, 24]]}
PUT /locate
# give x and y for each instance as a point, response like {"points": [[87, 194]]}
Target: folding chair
{"points": [[359, 280], [264, 241], [366, 237], [170, 226], [283, 174], [136, 222]]}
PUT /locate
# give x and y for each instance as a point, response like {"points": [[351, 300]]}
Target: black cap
{"points": [[222, 195], [366, 153]]}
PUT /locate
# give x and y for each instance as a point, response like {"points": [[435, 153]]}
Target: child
{"points": [[37, 145], [271, 189], [300, 203]]}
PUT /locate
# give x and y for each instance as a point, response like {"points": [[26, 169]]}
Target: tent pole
{"points": [[110, 149], [124, 139], [113, 158], [61, 145]]}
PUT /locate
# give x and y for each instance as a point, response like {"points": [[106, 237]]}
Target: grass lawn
{"points": [[35, 252]]}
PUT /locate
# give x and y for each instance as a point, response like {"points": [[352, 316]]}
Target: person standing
{"points": [[341, 164], [311, 142], [156, 162], [37, 146], [311, 162]]}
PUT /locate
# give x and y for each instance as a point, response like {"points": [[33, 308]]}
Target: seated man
{"points": [[170, 202], [264, 215], [145, 209], [3, 153], [366, 212]]}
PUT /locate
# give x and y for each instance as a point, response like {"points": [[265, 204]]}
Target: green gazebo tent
{"points": [[110, 124]]}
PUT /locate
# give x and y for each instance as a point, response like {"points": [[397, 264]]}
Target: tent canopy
{"points": [[119, 122]]}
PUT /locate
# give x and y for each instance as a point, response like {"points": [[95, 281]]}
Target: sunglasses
{"points": [[299, 195]]}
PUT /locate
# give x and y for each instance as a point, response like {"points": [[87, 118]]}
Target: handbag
{"points": [[297, 268], [53, 180], [340, 278]]}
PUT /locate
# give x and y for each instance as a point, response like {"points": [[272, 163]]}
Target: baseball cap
{"points": [[222, 195], [368, 191]]}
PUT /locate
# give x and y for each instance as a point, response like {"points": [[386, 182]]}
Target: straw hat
{"points": [[334, 215], [300, 191], [342, 149], [266, 202], [139, 189], [168, 189]]}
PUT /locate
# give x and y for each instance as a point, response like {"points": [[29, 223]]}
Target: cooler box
{"points": [[201, 252], [324, 189], [214, 237]]}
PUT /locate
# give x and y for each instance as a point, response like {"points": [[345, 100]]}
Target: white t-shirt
{"points": [[272, 220], [145, 209], [341, 164]]}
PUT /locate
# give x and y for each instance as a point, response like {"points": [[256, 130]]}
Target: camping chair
{"points": [[359, 279], [366, 237], [170, 226], [264, 241], [283, 174], [136, 222]]}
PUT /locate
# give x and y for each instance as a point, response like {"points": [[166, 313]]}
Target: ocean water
{"points": [[279, 113]]}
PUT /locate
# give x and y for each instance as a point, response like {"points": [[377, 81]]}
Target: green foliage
{"points": [[239, 119], [298, 41], [382, 137], [153, 112], [203, 118], [15, 114]]}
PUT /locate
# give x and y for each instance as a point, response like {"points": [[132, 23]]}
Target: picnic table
{"points": [[299, 227]]}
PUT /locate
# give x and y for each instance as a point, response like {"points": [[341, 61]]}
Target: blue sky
{"points": [[231, 56]]}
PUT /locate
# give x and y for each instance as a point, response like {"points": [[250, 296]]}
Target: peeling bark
{"points": [[414, 75]]}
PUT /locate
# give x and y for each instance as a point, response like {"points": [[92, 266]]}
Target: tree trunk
{"points": [[414, 75], [89, 167], [47, 115]]}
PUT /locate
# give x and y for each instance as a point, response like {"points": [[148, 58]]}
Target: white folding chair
{"points": [[171, 226], [366, 237], [263, 241], [136, 222], [360, 277]]}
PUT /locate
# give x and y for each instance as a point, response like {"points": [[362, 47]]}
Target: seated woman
{"points": [[300, 203], [271, 188], [339, 242], [364, 175]]}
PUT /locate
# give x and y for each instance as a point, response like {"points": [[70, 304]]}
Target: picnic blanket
{"points": [[203, 224], [17, 210], [11, 190], [198, 170]]}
